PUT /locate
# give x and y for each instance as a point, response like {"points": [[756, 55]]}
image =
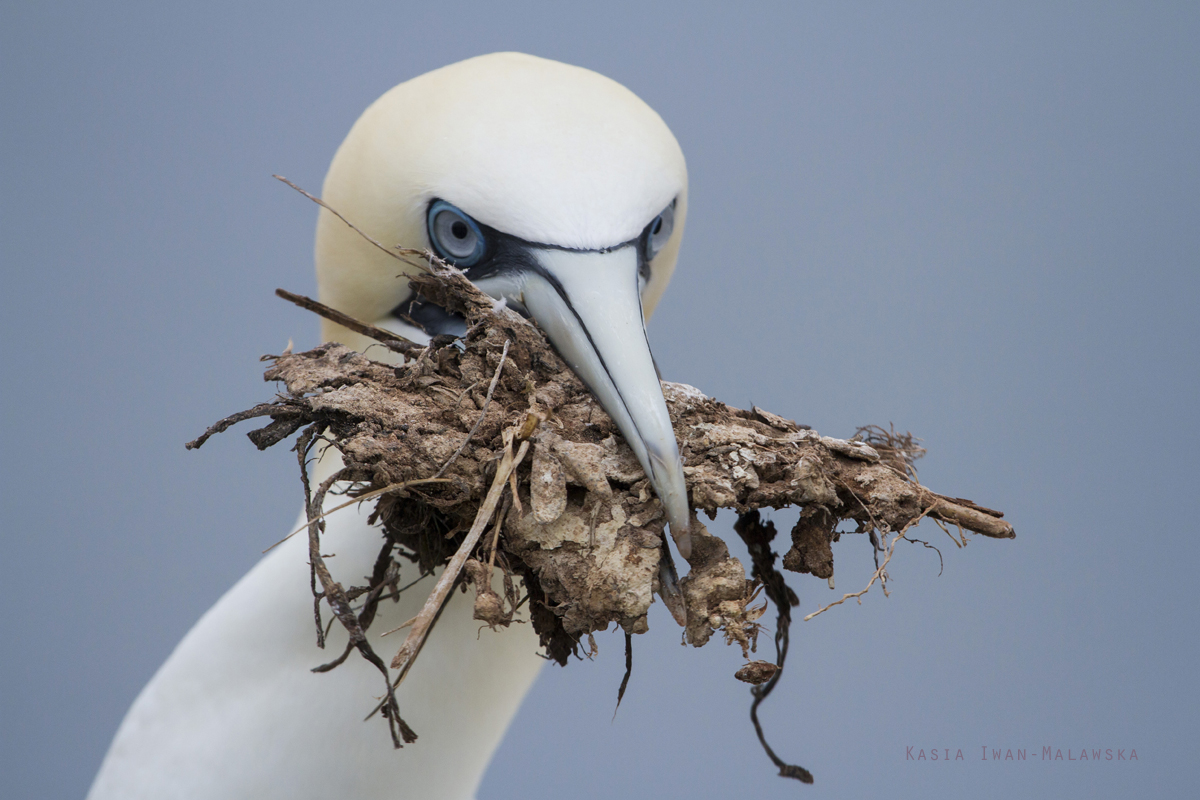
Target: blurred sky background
{"points": [[981, 224]]}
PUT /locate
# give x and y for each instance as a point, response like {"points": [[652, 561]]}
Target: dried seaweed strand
{"points": [[757, 536], [628, 671], [335, 596]]}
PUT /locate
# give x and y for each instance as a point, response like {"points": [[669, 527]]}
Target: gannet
{"points": [[557, 191]]}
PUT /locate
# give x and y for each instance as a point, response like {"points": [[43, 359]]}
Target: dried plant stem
{"points": [[392, 341], [335, 212], [423, 622], [405, 254]]}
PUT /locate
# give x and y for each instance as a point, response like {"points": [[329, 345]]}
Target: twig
{"points": [[337, 214], [404, 254], [392, 341], [876, 575], [260, 410], [403, 589], [508, 501], [420, 630], [973, 520]]}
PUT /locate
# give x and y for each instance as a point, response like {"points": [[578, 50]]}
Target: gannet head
{"points": [[554, 188]]}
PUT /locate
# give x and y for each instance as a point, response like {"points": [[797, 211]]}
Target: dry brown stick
{"points": [[504, 509], [392, 341], [423, 622], [260, 410], [973, 520]]}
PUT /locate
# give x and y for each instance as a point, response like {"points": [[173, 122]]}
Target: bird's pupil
{"points": [[657, 226], [459, 229]]}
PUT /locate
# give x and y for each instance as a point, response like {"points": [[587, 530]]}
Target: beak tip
{"points": [[684, 542]]}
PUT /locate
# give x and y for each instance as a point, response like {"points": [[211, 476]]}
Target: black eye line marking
{"points": [[505, 253], [490, 233]]}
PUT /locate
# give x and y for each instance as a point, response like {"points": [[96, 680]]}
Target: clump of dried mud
{"points": [[487, 453]]}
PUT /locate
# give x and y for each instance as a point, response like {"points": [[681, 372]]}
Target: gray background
{"points": [[981, 225]]}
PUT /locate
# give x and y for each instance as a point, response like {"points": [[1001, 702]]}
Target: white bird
{"points": [[554, 188]]}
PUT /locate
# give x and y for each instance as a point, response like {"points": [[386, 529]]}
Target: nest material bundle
{"points": [[486, 455]]}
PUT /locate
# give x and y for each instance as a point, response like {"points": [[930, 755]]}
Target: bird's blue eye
{"points": [[455, 236], [659, 231]]}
